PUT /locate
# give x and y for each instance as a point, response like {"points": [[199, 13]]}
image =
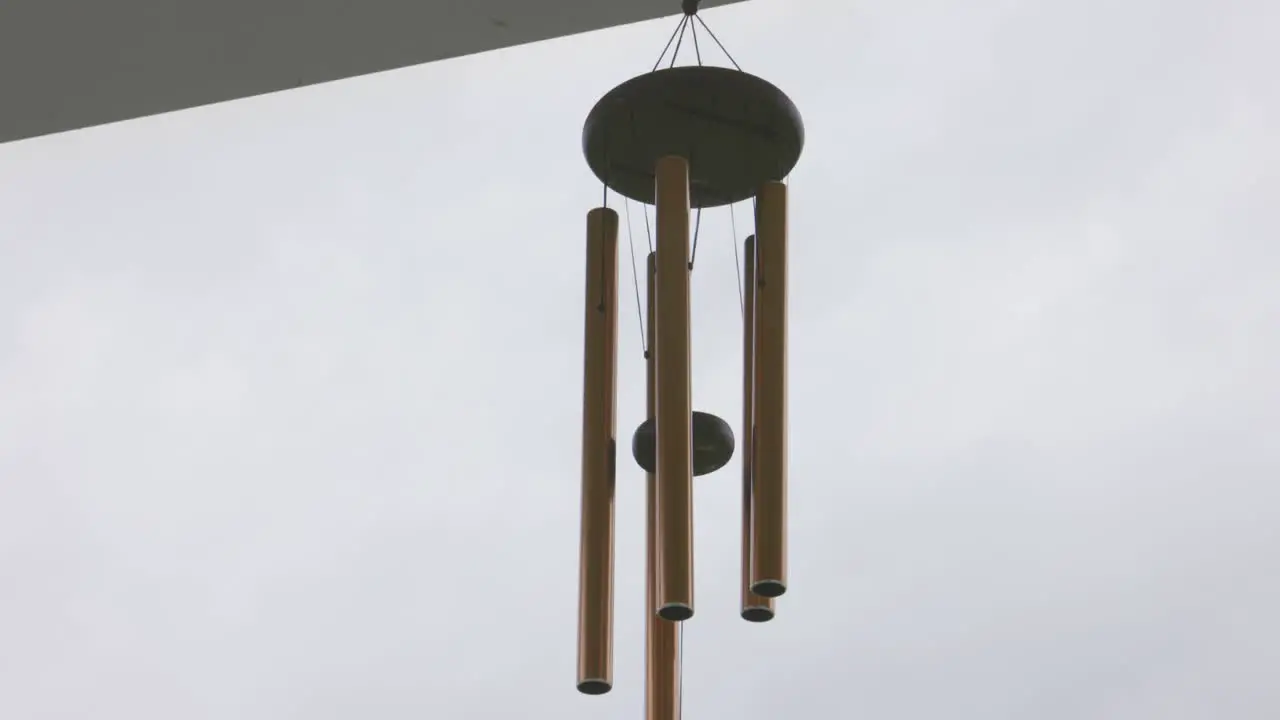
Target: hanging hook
{"points": [[690, 7]]}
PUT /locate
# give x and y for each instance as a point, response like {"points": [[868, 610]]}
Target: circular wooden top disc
{"points": [[736, 130]]}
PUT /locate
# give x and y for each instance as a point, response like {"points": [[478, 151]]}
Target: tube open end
{"points": [[675, 612], [757, 614], [594, 687], [769, 588]]}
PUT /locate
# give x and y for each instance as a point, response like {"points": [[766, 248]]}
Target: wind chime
{"points": [[681, 139]]}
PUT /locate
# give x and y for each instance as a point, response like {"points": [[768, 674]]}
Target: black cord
{"points": [[718, 43], [737, 263], [690, 8], [604, 229], [647, 232], [670, 40], [696, 51], [755, 212], [696, 227], [635, 278], [676, 53]]}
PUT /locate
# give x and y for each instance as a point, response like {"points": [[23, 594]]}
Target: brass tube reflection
{"points": [[769, 528], [662, 661], [599, 440], [674, 392], [755, 608]]}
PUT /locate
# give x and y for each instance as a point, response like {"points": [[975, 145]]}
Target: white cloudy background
{"points": [[289, 387]]}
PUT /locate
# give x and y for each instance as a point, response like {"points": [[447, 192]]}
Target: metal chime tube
{"points": [[662, 660], [674, 392], [755, 608], [769, 487], [599, 431]]}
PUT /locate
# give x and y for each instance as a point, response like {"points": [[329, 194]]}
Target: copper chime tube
{"points": [[662, 661], [599, 438], [674, 392], [755, 608], [769, 487]]}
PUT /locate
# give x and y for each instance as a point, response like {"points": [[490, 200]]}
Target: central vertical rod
{"points": [[674, 392], [662, 657]]}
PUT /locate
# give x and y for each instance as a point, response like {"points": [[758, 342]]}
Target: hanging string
{"points": [[676, 53], [755, 215], [696, 51], [635, 278], [719, 44], [604, 203], [677, 36], [696, 227], [737, 263], [670, 40], [647, 233]]}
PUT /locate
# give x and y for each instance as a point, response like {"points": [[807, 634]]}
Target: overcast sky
{"points": [[290, 387]]}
